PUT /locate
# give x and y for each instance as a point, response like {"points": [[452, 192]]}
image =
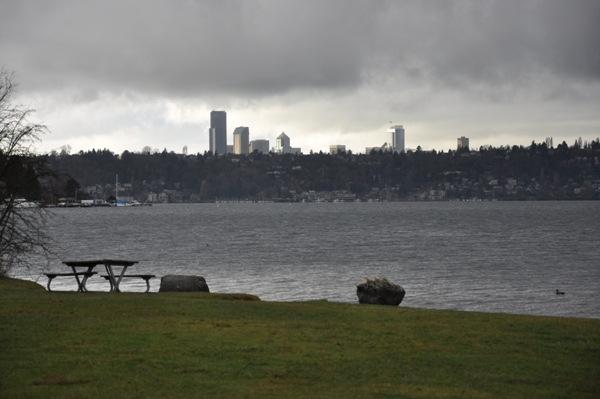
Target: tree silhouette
{"points": [[22, 223]]}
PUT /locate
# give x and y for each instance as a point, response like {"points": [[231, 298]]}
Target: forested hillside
{"points": [[534, 172]]}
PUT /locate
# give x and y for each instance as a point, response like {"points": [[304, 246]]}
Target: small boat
{"points": [[23, 203], [559, 292]]}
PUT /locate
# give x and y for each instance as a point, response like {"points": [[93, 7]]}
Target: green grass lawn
{"points": [[188, 345]]}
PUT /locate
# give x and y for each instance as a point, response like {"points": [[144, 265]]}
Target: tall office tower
{"points": [[218, 132], [241, 137], [462, 142], [282, 144], [260, 146], [396, 138]]}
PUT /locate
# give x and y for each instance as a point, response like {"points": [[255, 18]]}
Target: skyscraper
{"points": [[260, 146], [396, 138], [218, 132], [241, 137], [463, 142], [282, 144]]}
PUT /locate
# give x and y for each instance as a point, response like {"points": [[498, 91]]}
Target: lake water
{"points": [[478, 256]]}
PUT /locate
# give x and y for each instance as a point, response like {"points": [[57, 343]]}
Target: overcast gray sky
{"points": [[127, 74]]}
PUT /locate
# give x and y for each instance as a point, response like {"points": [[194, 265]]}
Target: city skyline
{"points": [[497, 72], [242, 145]]}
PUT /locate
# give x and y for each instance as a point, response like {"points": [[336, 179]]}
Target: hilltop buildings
{"points": [[383, 148], [217, 135], [485, 174], [395, 141], [242, 144]]}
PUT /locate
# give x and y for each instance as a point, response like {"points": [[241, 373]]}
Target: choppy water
{"points": [[480, 256]]}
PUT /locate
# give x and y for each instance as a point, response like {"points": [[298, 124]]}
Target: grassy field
{"points": [[133, 345]]}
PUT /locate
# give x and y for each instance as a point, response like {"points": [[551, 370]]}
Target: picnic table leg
{"points": [[49, 281], [147, 283], [85, 278], [120, 278], [111, 277], [115, 281], [80, 284]]}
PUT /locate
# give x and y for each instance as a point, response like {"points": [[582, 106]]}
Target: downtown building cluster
{"points": [[241, 139], [243, 145]]}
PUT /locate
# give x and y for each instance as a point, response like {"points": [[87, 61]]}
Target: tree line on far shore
{"points": [[258, 176]]}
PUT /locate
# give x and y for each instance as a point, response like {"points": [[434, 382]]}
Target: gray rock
{"points": [[174, 283], [377, 290]]}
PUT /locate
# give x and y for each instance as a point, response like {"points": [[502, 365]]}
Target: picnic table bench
{"points": [[146, 277], [80, 284]]}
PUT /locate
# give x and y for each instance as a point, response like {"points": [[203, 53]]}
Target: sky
{"points": [[125, 74]]}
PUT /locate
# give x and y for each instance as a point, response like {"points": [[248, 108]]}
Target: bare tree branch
{"points": [[23, 237]]}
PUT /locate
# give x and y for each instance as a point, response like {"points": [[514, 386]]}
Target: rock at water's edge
{"points": [[376, 290], [174, 283]]}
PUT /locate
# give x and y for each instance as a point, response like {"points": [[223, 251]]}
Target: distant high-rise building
{"points": [[336, 149], [241, 137], [463, 142], [282, 145], [260, 146], [218, 132], [396, 138], [282, 142]]}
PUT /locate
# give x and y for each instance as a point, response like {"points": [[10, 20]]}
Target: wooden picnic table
{"points": [[114, 278]]}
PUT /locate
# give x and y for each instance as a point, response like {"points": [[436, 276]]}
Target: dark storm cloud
{"points": [[269, 47], [189, 46], [495, 43]]}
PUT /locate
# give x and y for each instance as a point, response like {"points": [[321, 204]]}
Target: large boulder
{"points": [[377, 290], [174, 283]]}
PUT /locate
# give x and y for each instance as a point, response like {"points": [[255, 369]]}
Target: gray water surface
{"points": [[478, 256]]}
